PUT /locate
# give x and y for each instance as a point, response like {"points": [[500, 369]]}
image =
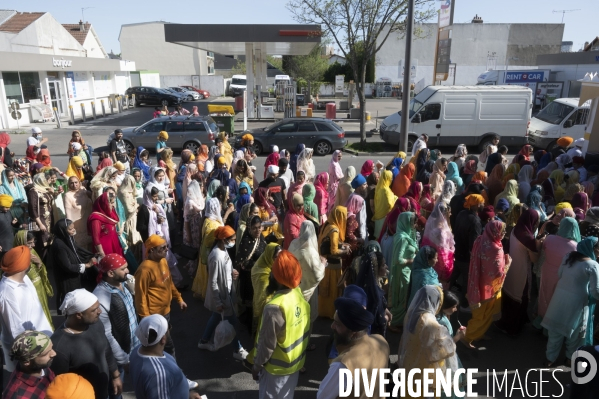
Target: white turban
{"points": [[273, 169], [78, 301], [579, 142], [76, 146]]}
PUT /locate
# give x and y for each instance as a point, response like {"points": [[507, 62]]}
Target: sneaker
{"points": [[192, 384], [241, 354], [207, 346]]}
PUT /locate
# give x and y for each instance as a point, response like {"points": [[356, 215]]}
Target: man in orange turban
{"points": [[20, 307], [70, 386], [287, 315]]}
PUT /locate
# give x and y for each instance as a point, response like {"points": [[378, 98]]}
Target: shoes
{"points": [[206, 346], [241, 354], [192, 384]]}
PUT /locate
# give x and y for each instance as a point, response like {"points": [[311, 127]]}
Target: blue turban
{"points": [[356, 293], [353, 315], [358, 181], [502, 205]]}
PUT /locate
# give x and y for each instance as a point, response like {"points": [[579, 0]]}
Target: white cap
{"points": [[579, 142], [154, 322], [273, 169], [36, 130]]}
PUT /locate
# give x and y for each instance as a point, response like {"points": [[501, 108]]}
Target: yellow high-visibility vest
{"points": [[289, 356]]}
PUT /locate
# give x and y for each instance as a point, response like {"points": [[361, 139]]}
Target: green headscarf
{"points": [[422, 273], [587, 246], [405, 227], [309, 193], [568, 228]]}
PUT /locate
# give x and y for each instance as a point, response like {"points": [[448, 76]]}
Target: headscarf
{"points": [[212, 186], [473, 200], [580, 200], [453, 174], [480, 176], [390, 224], [74, 163], [310, 208], [43, 157], [104, 163], [401, 183], [525, 229], [460, 151], [261, 199], [60, 232], [242, 199], [428, 299], [293, 162], [400, 154], [511, 172], [448, 192], [422, 272], [470, 167], [321, 185], [568, 228], [424, 175], [335, 171], [354, 204], [110, 262], [587, 247], [423, 157], [510, 193], [370, 281], [534, 200], [213, 210], [570, 191], [4, 142], [272, 159], [405, 229], [487, 265], [437, 229], [592, 215], [413, 195], [367, 168], [103, 212], [241, 222], [17, 193], [383, 196], [287, 270], [337, 220]]}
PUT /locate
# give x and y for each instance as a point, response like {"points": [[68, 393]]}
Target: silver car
{"points": [[185, 132], [189, 95]]}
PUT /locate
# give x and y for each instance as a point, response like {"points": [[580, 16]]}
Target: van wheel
{"points": [[484, 144], [551, 146]]}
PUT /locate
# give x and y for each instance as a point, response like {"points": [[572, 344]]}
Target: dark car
{"points": [[184, 132], [151, 96], [321, 134]]}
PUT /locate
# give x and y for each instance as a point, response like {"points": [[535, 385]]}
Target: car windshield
{"points": [[163, 91], [237, 81], [554, 113], [415, 105], [212, 125]]}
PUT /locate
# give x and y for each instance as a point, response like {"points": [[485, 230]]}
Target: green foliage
{"points": [[277, 62], [309, 67], [239, 68]]}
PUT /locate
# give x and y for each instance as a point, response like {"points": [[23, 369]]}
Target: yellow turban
{"points": [[247, 137], [70, 386], [221, 161], [163, 135], [154, 241], [562, 205], [76, 162], [119, 165], [5, 200], [473, 199]]}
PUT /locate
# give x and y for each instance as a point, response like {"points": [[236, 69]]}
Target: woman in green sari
{"points": [[423, 272], [37, 272], [310, 207], [405, 248]]}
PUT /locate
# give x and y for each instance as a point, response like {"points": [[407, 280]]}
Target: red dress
{"points": [[101, 226], [292, 224]]}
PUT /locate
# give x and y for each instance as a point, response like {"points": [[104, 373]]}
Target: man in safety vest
{"points": [[284, 331]]}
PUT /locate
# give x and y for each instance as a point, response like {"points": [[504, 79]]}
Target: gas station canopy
{"points": [[232, 39]]}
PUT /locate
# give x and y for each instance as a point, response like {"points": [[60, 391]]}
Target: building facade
{"points": [[475, 48], [570, 68], [44, 64]]}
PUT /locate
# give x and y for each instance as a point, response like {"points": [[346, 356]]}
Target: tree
{"points": [[359, 28], [239, 68], [310, 68]]}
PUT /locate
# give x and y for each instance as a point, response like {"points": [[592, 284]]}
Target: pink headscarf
{"points": [[367, 168], [354, 204]]}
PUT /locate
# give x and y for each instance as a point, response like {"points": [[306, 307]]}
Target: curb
{"points": [[360, 153]]}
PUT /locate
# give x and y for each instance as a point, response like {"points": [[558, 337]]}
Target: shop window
{"points": [[21, 86]]}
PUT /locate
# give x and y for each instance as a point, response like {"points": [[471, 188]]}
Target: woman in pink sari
{"points": [[437, 234], [296, 187], [413, 195], [335, 176], [272, 159], [322, 196], [102, 226]]}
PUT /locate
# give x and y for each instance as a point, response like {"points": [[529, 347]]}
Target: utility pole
{"points": [[564, 12], [405, 97], [83, 9]]}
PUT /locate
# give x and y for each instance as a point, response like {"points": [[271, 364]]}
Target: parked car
{"points": [[182, 96], [184, 132], [321, 134], [151, 96], [189, 95], [202, 93]]}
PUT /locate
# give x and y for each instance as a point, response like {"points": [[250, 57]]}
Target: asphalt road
{"points": [[220, 376]]}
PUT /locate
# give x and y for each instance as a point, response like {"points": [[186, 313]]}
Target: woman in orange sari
{"points": [[402, 182]]}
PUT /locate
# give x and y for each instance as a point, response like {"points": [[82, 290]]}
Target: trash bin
{"points": [[239, 103], [331, 112], [225, 123]]}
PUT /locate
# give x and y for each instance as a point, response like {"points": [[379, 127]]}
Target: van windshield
{"points": [[414, 107], [237, 81], [554, 113]]}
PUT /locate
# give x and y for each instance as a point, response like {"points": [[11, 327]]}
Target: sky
{"points": [[107, 16]]}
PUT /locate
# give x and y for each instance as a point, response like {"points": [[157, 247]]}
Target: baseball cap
{"points": [[36, 130], [118, 131], [154, 322]]}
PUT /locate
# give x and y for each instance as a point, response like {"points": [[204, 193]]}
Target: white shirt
{"points": [[32, 141], [362, 224], [20, 310], [329, 387], [419, 144]]}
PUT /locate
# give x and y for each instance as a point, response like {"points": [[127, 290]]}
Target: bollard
{"points": [[83, 112], [103, 109], [72, 114], [58, 121], [127, 101], [93, 110], [119, 106], [110, 100], [133, 100]]}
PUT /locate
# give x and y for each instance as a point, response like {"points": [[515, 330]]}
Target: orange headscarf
{"points": [[43, 157], [287, 270], [402, 182]]}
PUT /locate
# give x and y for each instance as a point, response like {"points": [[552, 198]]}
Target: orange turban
{"points": [[287, 270], [565, 141], [474, 199], [154, 241], [70, 386], [224, 232], [247, 137], [16, 260]]}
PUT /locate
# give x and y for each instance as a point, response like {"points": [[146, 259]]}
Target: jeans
{"points": [[122, 377], [213, 322]]}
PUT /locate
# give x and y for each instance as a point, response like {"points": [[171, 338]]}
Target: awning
{"points": [[590, 90]]}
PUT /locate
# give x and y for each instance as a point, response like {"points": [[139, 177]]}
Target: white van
{"points": [[471, 115], [238, 85], [562, 117], [282, 78]]}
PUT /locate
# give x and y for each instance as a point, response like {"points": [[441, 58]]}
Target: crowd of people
{"points": [[395, 248]]}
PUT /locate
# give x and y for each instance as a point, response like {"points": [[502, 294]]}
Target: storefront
{"points": [[39, 82]]}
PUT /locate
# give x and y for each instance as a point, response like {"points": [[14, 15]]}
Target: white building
{"points": [[475, 48], [570, 68], [144, 43], [44, 63]]}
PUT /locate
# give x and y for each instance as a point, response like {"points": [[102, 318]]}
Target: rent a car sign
{"points": [[524, 76]]}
